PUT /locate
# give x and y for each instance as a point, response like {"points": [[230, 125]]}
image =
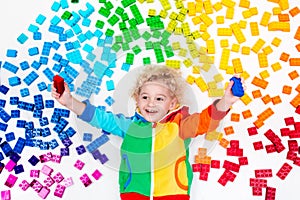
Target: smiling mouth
{"points": [[150, 111]]}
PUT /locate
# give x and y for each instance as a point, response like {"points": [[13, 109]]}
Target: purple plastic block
{"points": [[10, 181], [33, 160], [103, 158], [80, 149], [97, 174], [64, 152]]}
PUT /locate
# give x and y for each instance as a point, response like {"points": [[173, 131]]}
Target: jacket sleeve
{"points": [[200, 123], [116, 124]]}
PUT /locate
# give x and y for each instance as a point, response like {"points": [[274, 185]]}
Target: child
{"points": [[155, 143]]}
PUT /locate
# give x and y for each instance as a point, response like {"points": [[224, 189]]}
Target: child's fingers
{"points": [[67, 89]]}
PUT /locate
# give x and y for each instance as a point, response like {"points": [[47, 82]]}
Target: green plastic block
{"points": [[146, 35], [122, 26], [104, 12], [116, 47], [165, 34], [66, 15], [135, 33], [136, 49], [99, 24], [74, 1], [126, 3], [164, 42], [169, 51], [108, 5], [156, 45], [124, 17], [113, 20], [149, 45], [156, 34], [119, 11], [137, 15], [159, 55], [127, 36], [130, 58], [132, 22], [125, 47], [146, 61], [119, 39], [109, 32], [102, 1]]}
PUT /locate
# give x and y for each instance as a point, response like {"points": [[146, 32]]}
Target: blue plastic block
{"points": [[86, 22], [88, 48], [1, 158], [76, 44], [15, 157], [57, 67], [70, 132], [71, 71], [69, 33], [46, 132], [38, 101], [44, 146], [87, 137], [55, 20], [74, 20], [46, 48], [49, 74], [4, 115], [10, 136], [33, 160], [11, 53], [36, 65], [80, 149], [89, 35], [19, 169], [61, 112], [15, 113], [37, 113], [56, 29], [110, 85], [76, 28], [43, 121], [82, 38], [33, 51], [125, 67], [44, 60], [64, 62], [67, 142], [62, 37], [24, 65], [74, 57], [69, 46], [30, 78], [62, 136], [53, 144], [42, 86], [10, 67], [64, 4], [13, 81], [29, 142], [55, 45], [37, 35], [14, 100], [98, 33], [49, 103], [57, 57], [64, 152], [55, 6], [33, 28], [237, 87], [21, 123], [19, 146], [3, 89], [24, 92], [29, 125], [109, 100], [6, 148], [35, 132], [40, 19], [22, 38], [60, 125], [2, 103], [97, 143]]}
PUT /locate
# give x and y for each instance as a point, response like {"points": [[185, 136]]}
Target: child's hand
{"points": [[65, 98]]}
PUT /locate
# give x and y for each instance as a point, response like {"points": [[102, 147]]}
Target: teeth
{"points": [[151, 111]]}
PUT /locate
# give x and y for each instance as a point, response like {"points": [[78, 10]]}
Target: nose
{"points": [[151, 102]]}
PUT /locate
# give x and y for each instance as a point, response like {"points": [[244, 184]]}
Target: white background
{"points": [[15, 18]]}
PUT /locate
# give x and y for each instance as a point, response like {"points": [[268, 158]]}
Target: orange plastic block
{"points": [[283, 18], [258, 123], [224, 143], [256, 94], [297, 34], [266, 99], [235, 117], [294, 74], [284, 57], [202, 152], [247, 114], [260, 82], [286, 89], [294, 11], [295, 101], [265, 114], [298, 47], [205, 160], [276, 100], [298, 88], [229, 130], [294, 61]]}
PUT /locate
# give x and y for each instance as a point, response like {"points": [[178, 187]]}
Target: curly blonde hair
{"points": [[170, 77]]}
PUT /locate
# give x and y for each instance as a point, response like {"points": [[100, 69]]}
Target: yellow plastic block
{"points": [[163, 14], [196, 34], [203, 28], [210, 44], [205, 36], [192, 46], [224, 59], [220, 19], [230, 70], [276, 66], [185, 29], [263, 60], [279, 26], [229, 13], [246, 99], [254, 28], [245, 75], [181, 17], [267, 50], [182, 52], [276, 10], [188, 62], [179, 4], [151, 12], [176, 45], [165, 4], [246, 50], [246, 14], [274, 1], [258, 45], [208, 7], [276, 41], [235, 48], [190, 79], [212, 85], [228, 3], [206, 67], [237, 65], [173, 15], [224, 32], [284, 4], [149, 1], [264, 74], [183, 11], [196, 70], [218, 78], [201, 84], [253, 11], [265, 19], [196, 20], [238, 33], [191, 8], [173, 63], [243, 24], [218, 92], [224, 43], [217, 6], [244, 4], [206, 19], [199, 7]]}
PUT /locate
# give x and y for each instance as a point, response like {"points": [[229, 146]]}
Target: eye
{"points": [[144, 97], [160, 99]]}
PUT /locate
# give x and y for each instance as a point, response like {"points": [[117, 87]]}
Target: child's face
{"points": [[155, 101]]}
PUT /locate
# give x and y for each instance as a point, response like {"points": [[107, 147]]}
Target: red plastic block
{"points": [[270, 193], [284, 171], [263, 173], [203, 176], [255, 182], [279, 147], [258, 145], [270, 148], [205, 168], [298, 107], [289, 121], [234, 144], [291, 155], [58, 83], [230, 175], [252, 131], [285, 132], [223, 179], [231, 166], [215, 164], [196, 167], [297, 126], [297, 161], [256, 191], [243, 161], [234, 152], [293, 145], [294, 134]]}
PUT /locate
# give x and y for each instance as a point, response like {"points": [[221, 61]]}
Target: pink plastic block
{"points": [[270, 193], [59, 190], [5, 195], [67, 182], [97, 174], [255, 182], [215, 164], [47, 170], [35, 173], [10, 165], [24, 185], [36, 185], [43, 193], [243, 161], [85, 180], [263, 173], [289, 121], [10, 181], [46, 157], [56, 158], [58, 177], [203, 176], [79, 164], [258, 145], [257, 191], [49, 181]]}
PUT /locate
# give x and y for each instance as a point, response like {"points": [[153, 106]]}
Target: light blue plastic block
{"points": [[100, 43], [99, 69], [69, 33], [55, 6], [108, 40], [10, 67], [86, 22], [82, 38], [11, 53], [74, 57], [62, 37], [57, 67], [76, 28], [86, 13], [89, 35], [37, 35], [74, 20], [55, 20], [24, 92], [110, 101], [49, 74], [33, 28], [110, 85], [98, 33], [71, 71], [64, 4], [88, 48], [22, 38], [125, 67], [91, 57], [40, 19], [13, 81], [76, 44]]}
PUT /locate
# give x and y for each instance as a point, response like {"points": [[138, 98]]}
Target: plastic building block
{"points": [[80, 149], [24, 185], [10, 165], [87, 137], [58, 177], [19, 146], [10, 181], [11, 53], [97, 174], [22, 38], [59, 84], [4, 89], [284, 171], [33, 160], [10, 67], [10, 136], [18, 169], [43, 193], [33, 51], [85, 180], [79, 164], [36, 185]]}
